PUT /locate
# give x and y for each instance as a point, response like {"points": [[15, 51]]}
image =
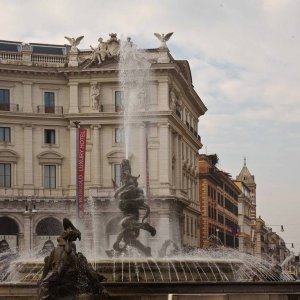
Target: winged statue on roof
{"points": [[74, 42], [163, 38]]}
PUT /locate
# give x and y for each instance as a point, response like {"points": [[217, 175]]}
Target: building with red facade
{"points": [[218, 197]]}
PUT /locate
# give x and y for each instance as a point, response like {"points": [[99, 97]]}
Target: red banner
{"points": [[80, 170]]}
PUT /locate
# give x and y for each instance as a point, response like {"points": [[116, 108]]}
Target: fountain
{"points": [[130, 268]]}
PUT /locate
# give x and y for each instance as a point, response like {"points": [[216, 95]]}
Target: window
{"points": [[49, 136], [49, 101], [119, 103], [4, 134], [5, 175], [187, 225], [117, 174], [119, 135], [4, 99], [49, 176]]}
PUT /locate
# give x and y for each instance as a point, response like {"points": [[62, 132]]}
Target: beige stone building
{"points": [[270, 246], [246, 229], [43, 90], [247, 203]]}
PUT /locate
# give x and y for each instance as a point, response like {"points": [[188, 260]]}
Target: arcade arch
{"points": [[9, 231]]}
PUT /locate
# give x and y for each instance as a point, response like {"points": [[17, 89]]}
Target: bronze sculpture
{"points": [[131, 200], [66, 272]]}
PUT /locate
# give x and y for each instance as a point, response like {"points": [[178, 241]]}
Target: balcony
{"points": [[10, 57], [9, 107], [33, 59], [57, 110], [110, 108]]}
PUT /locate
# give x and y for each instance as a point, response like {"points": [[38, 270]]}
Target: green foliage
{"points": [[213, 158]]}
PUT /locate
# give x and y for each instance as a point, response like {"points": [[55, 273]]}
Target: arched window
{"points": [[49, 226], [9, 231], [8, 226]]}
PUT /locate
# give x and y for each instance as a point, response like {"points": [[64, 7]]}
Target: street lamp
{"points": [[281, 227], [76, 123], [30, 209], [292, 245]]}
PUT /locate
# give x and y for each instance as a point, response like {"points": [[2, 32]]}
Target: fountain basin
{"points": [[144, 270], [179, 290]]}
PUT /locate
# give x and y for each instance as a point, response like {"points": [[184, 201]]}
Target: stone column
{"points": [[28, 157], [177, 163], [163, 95], [72, 161], [73, 108], [27, 97], [95, 163], [27, 232], [142, 155], [164, 153]]}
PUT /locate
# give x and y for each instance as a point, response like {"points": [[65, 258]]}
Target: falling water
{"points": [[134, 72], [201, 266]]}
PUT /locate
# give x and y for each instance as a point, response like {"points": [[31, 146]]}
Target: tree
{"points": [[213, 158]]}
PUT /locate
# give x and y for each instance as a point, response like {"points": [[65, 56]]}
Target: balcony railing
{"points": [[51, 59], [10, 56], [58, 110], [109, 108], [25, 58], [9, 107]]}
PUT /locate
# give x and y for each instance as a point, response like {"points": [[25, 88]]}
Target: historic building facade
{"points": [[247, 201], [44, 89], [248, 179], [218, 196], [246, 229]]}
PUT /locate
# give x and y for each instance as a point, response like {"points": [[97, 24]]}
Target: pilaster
{"points": [[27, 97], [27, 232], [95, 163], [163, 95], [72, 182], [73, 86], [164, 154], [142, 155], [28, 156]]}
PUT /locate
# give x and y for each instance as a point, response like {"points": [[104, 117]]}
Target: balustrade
{"points": [[10, 56], [52, 59], [50, 109], [36, 59], [9, 107]]}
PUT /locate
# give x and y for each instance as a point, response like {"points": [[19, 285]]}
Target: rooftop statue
{"points": [[74, 42], [104, 50], [66, 272], [131, 201], [163, 39]]}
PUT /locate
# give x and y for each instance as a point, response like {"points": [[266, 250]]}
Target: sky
{"points": [[245, 67]]}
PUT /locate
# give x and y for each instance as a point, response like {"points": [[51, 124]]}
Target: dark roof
{"points": [[12, 47], [48, 50]]}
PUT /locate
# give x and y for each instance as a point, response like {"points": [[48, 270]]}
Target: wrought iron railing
{"points": [[50, 109], [9, 107]]}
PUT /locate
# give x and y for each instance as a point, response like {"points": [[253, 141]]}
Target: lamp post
{"points": [[30, 210], [281, 227], [76, 123]]}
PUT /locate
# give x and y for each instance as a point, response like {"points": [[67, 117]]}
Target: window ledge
{"points": [[50, 146], [3, 143]]}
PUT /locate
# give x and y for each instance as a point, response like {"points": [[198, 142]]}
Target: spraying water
{"points": [[134, 74]]}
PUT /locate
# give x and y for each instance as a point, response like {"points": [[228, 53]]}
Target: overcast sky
{"points": [[245, 67]]}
